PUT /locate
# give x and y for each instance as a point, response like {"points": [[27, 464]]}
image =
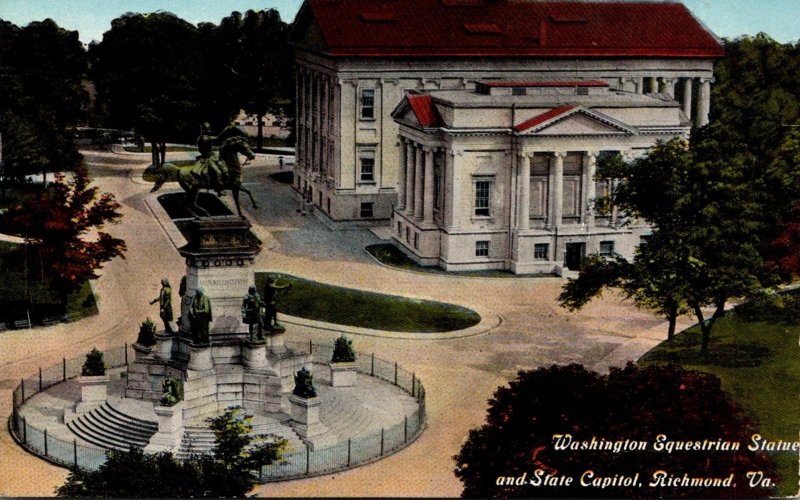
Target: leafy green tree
{"points": [[634, 404], [255, 51], [63, 227], [42, 74], [710, 219], [228, 473], [147, 71]]}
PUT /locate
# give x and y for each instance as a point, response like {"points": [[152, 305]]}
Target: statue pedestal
{"points": [[94, 392], [170, 429], [254, 354], [143, 352], [305, 421], [277, 340], [200, 358], [164, 344], [343, 374]]}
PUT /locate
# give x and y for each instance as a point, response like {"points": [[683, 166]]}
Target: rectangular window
{"points": [[583, 91], [408, 235], [328, 202], [416, 241], [367, 103], [541, 251], [607, 248], [399, 229], [367, 208], [367, 167], [482, 198], [481, 248], [518, 91]]}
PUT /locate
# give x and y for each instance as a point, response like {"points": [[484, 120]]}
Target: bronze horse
{"points": [[193, 178]]}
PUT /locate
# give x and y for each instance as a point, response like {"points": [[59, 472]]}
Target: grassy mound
{"points": [[346, 306]]}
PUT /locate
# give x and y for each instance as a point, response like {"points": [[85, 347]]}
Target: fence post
{"points": [[126, 354], [381, 442], [348, 452], [45, 442], [64, 369], [308, 458], [395, 373], [372, 366], [413, 383], [75, 452], [24, 430], [22, 384], [310, 347], [40, 379], [405, 429]]}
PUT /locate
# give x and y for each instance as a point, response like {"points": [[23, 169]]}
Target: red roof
{"points": [[425, 111], [511, 28], [574, 83], [538, 120]]}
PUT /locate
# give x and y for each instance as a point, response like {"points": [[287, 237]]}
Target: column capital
{"points": [[592, 153], [559, 154], [428, 149], [707, 79]]}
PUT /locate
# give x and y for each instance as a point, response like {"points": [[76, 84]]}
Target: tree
{"points": [[710, 218], [228, 473], [42, 70], [63, 228], [147, 70], [631, 405], [257, 52]]}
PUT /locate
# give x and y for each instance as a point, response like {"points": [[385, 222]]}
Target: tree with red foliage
{"points": [[631, 405], [62, 225]]}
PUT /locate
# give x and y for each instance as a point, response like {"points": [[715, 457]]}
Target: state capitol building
{"points": [[473, 128]]}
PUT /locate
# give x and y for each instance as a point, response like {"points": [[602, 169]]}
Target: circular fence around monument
{"points": [[295, 464]]}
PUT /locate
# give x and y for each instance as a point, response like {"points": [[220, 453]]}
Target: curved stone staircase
{"points": [[199, 439], [110, 428]]}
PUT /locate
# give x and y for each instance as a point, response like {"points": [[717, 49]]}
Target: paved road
{"points": [[460, 375]]}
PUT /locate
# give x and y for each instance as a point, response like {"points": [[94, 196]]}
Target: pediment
{"points": [[575, 121]]}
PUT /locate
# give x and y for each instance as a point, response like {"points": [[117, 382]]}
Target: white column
{"points": [[667, 86], [687, 97], [590, 169], [524, 187], [418, 184], [703, 102], [428, 204], [409, 168], [556, 189], [401, 185]]}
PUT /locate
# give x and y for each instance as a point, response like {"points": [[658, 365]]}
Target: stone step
{"points": [[132, 419], [145, 432], [108, 427]]}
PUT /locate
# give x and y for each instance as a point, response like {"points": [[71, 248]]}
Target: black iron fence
{"points": [[297, 463]]}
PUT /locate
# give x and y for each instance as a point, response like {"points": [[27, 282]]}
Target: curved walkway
{"points": [[460, 374]]}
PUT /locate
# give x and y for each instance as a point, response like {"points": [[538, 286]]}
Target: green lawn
{"points": [[758, 365], [345, 306], [392, 256], [43, 303]]}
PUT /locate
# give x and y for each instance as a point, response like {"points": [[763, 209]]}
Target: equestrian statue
{"points": [[209, 172]]}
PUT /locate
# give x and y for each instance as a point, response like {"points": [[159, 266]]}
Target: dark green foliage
{"points": [[42, 72], [773, 307], [94, 364], [229, 473], [172, 389], [343, 350], [147, 333], [304, 384], [633, 403], [346, 306]]}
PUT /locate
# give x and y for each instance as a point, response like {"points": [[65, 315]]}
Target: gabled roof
{"points": [[421, 105], [555, 115], [506, 28]]}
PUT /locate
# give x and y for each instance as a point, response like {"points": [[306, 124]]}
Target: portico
{"points": [[516, 189]]}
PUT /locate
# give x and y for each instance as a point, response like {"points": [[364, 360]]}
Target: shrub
{"points": [[147, 333], [94, 365], [343, 351]]}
